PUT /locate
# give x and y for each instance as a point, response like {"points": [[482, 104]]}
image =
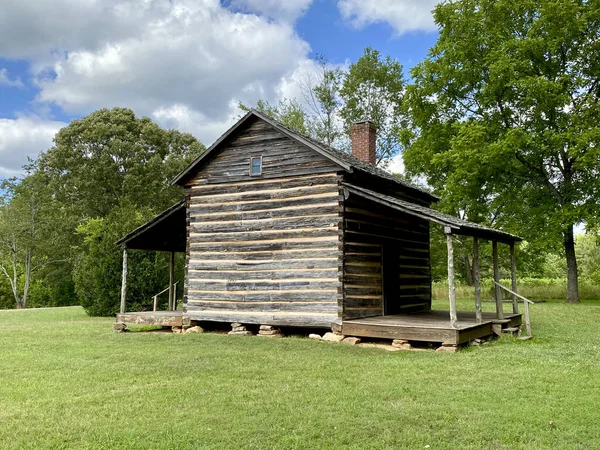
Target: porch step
{"points": [[500, 321], [511, 330]]}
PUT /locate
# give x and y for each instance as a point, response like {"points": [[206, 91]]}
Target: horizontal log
{"points": [[263, 265], [363, 258], [198, 210], [356, 246], [273, 275], [362, 270], [361, 313], [248, 286], [267, 318], [414, 290], [324, 295], [328, 250], [398, 239], [259, 183], [266, 244], [294, 170], [363, 302], [281, 223], [269, 163], [350, 290], [300, 307], [330, 208], [410, 298], [369, 279], [260, 193], [251, 237]]}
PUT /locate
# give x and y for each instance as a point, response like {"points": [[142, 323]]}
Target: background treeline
{"points": [[500, 121], [106, 174]]}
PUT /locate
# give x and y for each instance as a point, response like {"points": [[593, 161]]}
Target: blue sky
{"points": [[184, 63]]}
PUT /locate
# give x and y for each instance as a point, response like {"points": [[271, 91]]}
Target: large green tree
{"points": [[108, 173], [373, 89], [505, 114]]}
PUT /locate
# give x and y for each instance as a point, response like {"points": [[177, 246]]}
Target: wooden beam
{"points": [[124, 282], [527, 319], [171, 281], [513, 276], [451, 286], [498, 291], [477, 280]]}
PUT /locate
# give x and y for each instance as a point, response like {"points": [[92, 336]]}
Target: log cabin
{"points": [[281, 230]]}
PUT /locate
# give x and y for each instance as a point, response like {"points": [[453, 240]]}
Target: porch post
{"points": [[171, 281], [124, 281], [498, 291], [477, 280], [451, 287], [513, 276]]}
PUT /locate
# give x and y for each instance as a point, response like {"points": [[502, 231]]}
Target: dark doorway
{"points": [[390, 262]]}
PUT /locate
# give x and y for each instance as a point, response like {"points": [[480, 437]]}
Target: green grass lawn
{"points": [[66, 381]]}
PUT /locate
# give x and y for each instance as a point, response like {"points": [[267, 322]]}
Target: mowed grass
{"points": [[67, 381]]}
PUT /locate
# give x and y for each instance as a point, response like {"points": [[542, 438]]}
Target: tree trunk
{"points": [[572, 276], [469, 269]]}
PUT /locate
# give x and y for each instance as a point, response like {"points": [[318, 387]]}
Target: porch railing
{"points": [[155, 297], [526, 303]]}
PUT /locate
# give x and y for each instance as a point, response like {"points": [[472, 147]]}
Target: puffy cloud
{"points": [[287, 10], [34, 28], [188, 55], [403, 15], [21, 137]]}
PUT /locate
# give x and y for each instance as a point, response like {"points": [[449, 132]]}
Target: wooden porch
{"points": [[430, 326], [161, 318]]}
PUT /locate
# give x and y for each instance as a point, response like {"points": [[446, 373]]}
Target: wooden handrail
{"points": [[513, 292], [155, 297], [526, 303]]}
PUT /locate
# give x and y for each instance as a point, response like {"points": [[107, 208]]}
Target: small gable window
{"points": [[255, 166]]}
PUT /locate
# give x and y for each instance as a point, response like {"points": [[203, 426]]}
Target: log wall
{"points": [[264, 249], [369, 231]]}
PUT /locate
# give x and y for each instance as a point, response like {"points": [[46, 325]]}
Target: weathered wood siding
{"points": [[369, 230], [265, 249]]}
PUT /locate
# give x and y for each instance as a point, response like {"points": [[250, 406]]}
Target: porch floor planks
{"points": [[162, 318], [427, 326]]}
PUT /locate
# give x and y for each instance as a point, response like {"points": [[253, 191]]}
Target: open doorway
{"points": [[390, 267]]}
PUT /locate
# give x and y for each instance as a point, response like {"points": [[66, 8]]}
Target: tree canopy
{"points": [[504, 116], [106, 174]]}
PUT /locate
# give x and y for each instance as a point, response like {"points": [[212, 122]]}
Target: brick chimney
{"points": [[364, 136]]}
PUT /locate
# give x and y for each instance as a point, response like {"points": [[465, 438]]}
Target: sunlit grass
{"points": [[66, 381]]}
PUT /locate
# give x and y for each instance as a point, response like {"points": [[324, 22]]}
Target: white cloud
{"points": [[396, 164], [5, 79], [287, 10], [403, 15], [21, 137], [188, 55]]}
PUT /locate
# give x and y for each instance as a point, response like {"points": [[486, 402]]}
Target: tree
{"points": [[111, 155], [288, 112], [321, 95], [108, 173], [373, 89], [23, 209], [504, 116]]}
